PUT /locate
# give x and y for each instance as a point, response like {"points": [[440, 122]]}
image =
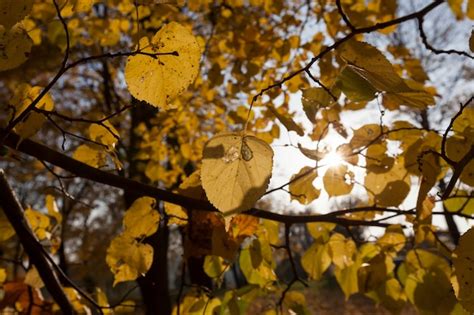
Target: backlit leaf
{"points": [[89, 155], [235, 171], [15, 47], [12, 11], [338, 180], [313, 99], [128, 259], [463, 261], [287, 121], [141, 219], [316, 260], [301, 186], [159, 80]]}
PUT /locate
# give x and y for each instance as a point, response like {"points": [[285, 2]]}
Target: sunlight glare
{"points": [[332, 158]]}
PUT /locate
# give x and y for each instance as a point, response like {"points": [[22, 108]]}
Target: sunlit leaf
{"points": [[316, 260], [128, 259], [157, 80], [301, 186], [90, 155], [141, 219], [286, 121], [338, 180], [235, 171], [15, 47]]}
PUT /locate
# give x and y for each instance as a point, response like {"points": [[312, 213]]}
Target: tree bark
{"points": [[154, 285]]}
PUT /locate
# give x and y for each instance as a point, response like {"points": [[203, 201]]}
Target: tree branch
{"points": [[14, 212], [85, 171], [437, 51]]}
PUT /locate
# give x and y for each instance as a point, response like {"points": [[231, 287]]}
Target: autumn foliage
{"points": [[198, 157]]}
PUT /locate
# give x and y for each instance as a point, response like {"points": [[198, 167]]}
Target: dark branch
{"points": [[14, 212]]}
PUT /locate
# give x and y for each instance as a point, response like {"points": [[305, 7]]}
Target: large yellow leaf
{"points": [[158, 80], [12, 11], [15, 47], [301, 186], [235, 171], [141, 219], [463, 261], [369, 63], [335, 181], [128, 259], [367, 70]]}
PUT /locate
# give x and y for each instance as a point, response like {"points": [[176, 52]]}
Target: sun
{"points": [[332, 158]]}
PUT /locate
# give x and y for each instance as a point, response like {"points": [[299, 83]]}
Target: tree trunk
{"points": [[154, 285]]}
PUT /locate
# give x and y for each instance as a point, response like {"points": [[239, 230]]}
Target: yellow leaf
{"points": [[393, 194], [456, 8], [236, 170], [341, 250], [365, 135], [38, 222], [313, 99], [75, 298], [301, 185], [214, 266], [3, 275], [23, 97], [53, 210], [286, 121], [128, 259], [89, 155], [393, 240], [369, 63], [320, 230], [316, 260], [13, 11], [470, 14], [159, 80], [371, 70], [463, 261], [355, 87], [256, 263], [462, 201], [335, 182], [141, 219], [33, 279], [272, 231], [176, 214], [6, 229], [15, 47], [107, 135], [103, 301]]}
